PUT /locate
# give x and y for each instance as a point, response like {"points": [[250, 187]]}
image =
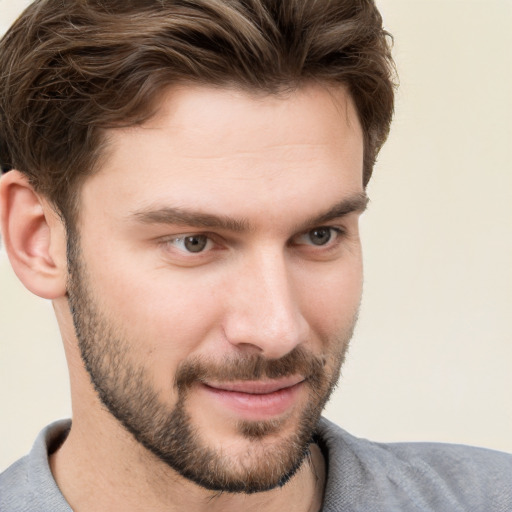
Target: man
{"points": [[184, 181]]}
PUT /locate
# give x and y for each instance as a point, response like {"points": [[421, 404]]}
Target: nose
{"points": [[264, 313]]}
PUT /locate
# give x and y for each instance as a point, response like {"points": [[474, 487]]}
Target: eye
{"points": [[191, 243], [318, 236]]}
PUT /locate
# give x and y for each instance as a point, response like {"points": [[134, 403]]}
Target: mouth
{"points": [[256, 400]]}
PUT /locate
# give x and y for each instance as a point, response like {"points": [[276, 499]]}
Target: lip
{"points": [[256, 387], [256, 400]]}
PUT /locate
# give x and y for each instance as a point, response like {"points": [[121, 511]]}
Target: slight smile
{"points": [[257, 400]]}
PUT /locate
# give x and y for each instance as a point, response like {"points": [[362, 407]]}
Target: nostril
{"points": [[249, 348]]}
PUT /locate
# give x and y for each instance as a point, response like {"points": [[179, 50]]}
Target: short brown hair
{"points": [[71, 69]]}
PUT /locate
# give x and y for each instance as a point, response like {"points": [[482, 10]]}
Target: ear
{"points": [[34, 237]]}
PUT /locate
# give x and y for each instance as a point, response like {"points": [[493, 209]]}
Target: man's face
{"points": [[215, 281]]}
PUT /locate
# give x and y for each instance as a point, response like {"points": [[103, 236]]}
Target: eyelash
{"points": [[335, 236], [332, 240], [185, 237]]}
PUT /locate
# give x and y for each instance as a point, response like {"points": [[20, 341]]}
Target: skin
{"points": [[256, 175]]}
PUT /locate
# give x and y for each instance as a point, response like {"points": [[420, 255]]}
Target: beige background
{"points": [[431, 359]]}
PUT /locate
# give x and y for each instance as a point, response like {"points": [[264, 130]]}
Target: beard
{"points": [[124, 386]]}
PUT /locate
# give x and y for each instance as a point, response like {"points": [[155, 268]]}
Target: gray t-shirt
{"points": [[361, 476]]}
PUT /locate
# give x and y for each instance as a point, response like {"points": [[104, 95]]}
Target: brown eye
{"points": [[195, 243]]}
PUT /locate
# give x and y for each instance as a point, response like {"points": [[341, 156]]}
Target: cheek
{"points": [[164, 316], [333, 300]]}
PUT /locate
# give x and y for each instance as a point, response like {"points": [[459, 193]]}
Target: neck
{"points": [[108, 470]]}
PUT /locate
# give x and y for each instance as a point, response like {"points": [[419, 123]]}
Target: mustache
{"points": [[251, 367]]}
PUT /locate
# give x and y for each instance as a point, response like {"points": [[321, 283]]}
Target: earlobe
{"points": [[34, 237]]}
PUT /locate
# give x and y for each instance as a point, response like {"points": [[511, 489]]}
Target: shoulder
{"points": [[413, 476], [14, 481], [28, 484]]}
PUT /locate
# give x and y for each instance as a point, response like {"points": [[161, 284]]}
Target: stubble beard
{"points": [[270, 459]]}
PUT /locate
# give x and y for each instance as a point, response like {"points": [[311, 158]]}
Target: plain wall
{"points": [[431, 357]]}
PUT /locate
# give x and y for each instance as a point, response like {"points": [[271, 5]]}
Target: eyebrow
{"points": [[194, 218], [353, 204]]}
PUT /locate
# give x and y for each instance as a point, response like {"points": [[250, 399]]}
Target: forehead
{"points": [[232, 120], [228, 149]]}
